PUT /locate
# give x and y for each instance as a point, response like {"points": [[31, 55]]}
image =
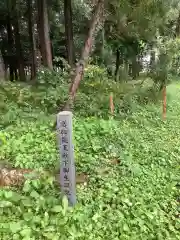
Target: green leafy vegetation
{"points": [[136, 199], [73, 55]]}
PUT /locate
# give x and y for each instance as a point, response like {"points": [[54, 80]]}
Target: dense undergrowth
{"points": [[134, 200]]}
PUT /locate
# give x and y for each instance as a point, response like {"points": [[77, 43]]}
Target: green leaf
{"points": [[28, 216], [57, 209], [8, 194], [50, 229], [36, 219], [34, 194], [25, 232], [5, 204], [125, 227], [15, 227], [27, 202], [16, 236], [65, 204], [27, 186], [15, 197], [50, 236]]}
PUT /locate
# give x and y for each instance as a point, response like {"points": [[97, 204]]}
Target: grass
{"points": [[136, 199]]}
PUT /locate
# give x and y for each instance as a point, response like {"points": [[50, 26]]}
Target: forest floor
{"points": [[136, 198]]}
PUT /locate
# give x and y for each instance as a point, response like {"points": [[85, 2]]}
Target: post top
{"points": [[65, 113]]}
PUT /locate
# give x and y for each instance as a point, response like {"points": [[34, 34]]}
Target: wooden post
{"points": [[164, 102], [67, 166]]}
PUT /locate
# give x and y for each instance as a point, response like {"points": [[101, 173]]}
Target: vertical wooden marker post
{"points": [[67, 166], [111, 104], [164, 102]]}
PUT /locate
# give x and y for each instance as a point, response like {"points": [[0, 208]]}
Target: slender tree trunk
{"points": [[16, 74], [22, 76], [43, 28], [152, 59], [135, 68], [69, 32], [5, 68], [2, 67], [10, 53], [97, 18], [130, 69], [19, 52], [39, 59], [103, 42], [126, 69], [117, 64], [32, 39]]}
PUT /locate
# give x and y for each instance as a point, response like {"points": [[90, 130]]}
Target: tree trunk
{"points": [[126, 70], [103, 43], [43, 28], [97, 19], [2, 67], [69, 32], [152, 59], [5, 68], [10, 53], [135, 68], [32, 39], [117, 64], [130, 69], [19, 53]]}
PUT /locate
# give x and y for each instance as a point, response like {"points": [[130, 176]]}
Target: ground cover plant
{"points": [[78, 55], [134, 199]]}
